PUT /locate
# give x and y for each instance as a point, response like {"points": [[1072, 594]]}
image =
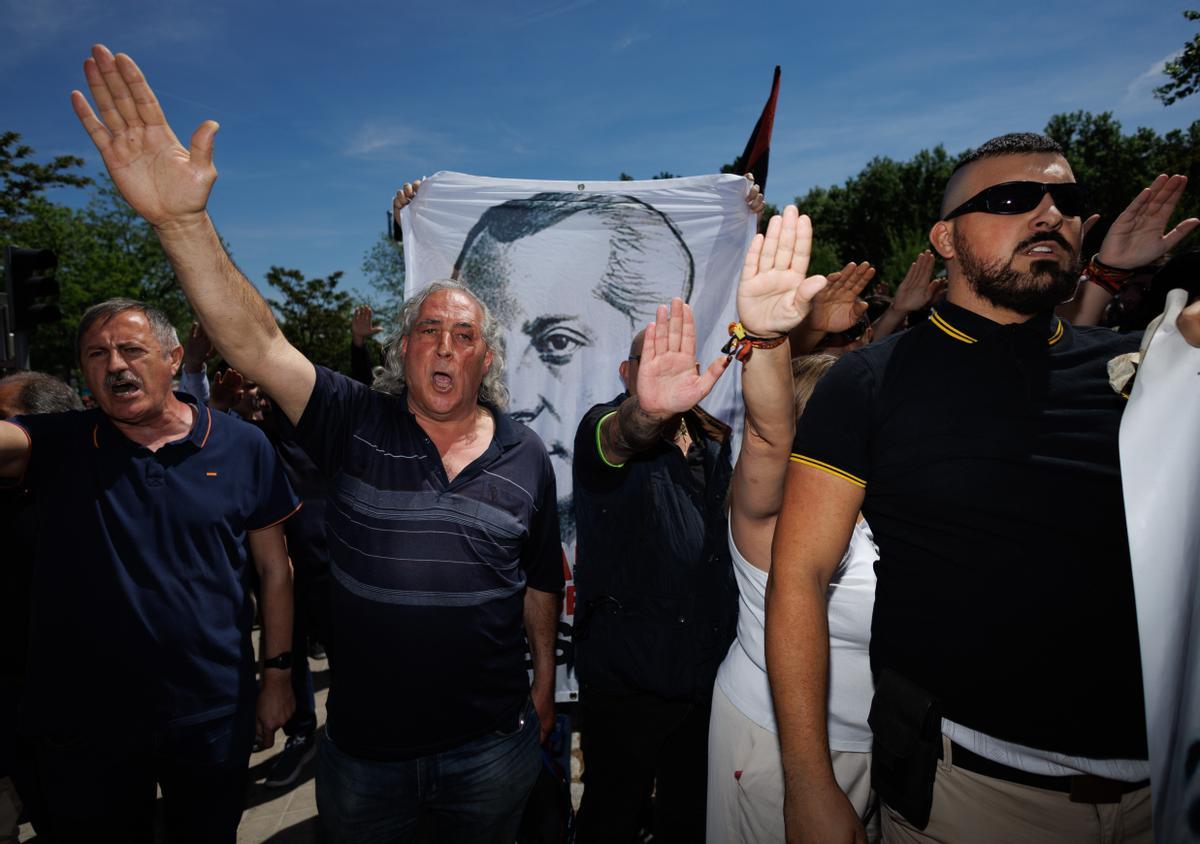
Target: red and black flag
{"points": [[755, 157]]}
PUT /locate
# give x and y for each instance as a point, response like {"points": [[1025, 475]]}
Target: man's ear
{"points": [[487, 361], [176, 357], [942, 239], [623, 371]]}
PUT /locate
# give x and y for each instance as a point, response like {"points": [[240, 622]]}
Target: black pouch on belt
{"points": [[907, 724]]}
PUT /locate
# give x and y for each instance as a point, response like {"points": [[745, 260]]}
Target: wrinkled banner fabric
{"points": [[1160, 471], [573, 270]]}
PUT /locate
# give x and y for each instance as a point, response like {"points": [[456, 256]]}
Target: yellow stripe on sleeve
{"points": [[825, 467]]}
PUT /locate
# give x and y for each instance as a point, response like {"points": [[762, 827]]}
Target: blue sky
{"points": [[325, 108]]}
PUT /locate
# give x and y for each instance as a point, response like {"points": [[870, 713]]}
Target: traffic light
{"points": [[30, 288]]}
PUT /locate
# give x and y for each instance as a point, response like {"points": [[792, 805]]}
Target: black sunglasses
{"points": [[1020, 197]]}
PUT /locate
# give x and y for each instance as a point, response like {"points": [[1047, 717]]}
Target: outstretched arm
{"points": [[773, 297], [169, 185], [14, 451], [669, 382]]}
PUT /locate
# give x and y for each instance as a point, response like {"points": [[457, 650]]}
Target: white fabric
{"points": [[569, 296], [743, 674], [1046, 762], [1160, 470], [745, 780]]}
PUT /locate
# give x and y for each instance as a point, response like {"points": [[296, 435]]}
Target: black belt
{"points": [[1083, 788]]}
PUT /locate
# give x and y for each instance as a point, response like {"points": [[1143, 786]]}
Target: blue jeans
{"points": [[473, 793]]}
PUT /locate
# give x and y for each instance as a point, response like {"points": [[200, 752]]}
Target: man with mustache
{"points": [[982, 448], [148, 509], [441, 517]]}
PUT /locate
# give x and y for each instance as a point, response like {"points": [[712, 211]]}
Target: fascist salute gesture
{"points": [[168, 184], [775, 293], [165, 182]]}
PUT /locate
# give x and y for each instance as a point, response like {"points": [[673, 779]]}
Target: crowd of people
{"points": [[902, 611]]}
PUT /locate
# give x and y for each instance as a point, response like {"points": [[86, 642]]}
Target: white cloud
{"points": [[1142, 87]]}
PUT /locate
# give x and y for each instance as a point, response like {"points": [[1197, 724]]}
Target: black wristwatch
{"points": [[283, 662]]}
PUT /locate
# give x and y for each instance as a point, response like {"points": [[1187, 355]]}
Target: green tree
{"points": [[314, 315], [104, 250], [24, 182], [1184, 71], [383, 265], [881, 215]]}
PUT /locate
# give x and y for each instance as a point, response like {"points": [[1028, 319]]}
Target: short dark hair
{"points": [[629, 219], [41, 393], [102, 312], [1014, 143]]}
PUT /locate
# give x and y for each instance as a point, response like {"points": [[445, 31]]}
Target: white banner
{"points": [[1160, 470], [573, 270]]}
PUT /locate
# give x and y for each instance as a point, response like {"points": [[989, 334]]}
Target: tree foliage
{"points": [[383, 265], [314, 315], [25, 181], [1183, 71], [884, 213]]}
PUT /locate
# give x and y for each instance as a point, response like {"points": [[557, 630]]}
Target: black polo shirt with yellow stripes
{"points": [[988, 454]]}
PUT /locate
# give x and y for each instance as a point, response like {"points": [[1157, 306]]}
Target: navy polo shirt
{"points": [[427, 575], [988, 454], [140, 610]]}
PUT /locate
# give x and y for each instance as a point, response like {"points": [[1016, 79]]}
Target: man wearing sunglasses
{"points": [[982, 448]]}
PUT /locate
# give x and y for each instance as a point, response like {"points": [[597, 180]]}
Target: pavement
{"points": [[289, 815]]}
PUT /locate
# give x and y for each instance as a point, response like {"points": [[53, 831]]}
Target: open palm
{"points": [[1138, 236], [669, 379], [837, 306], [775, 295], [164, 182]]}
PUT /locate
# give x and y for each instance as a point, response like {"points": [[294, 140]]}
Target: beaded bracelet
{"points": [[1110, 279], [741, 344]]}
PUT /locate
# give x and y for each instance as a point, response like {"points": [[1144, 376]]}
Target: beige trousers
{"points": [[969, 807], [745, 780]]}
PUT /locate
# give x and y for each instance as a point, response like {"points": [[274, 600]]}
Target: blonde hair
{"points": [[807, 370]]}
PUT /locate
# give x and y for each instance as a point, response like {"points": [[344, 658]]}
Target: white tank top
{"points": [[743, 674]]}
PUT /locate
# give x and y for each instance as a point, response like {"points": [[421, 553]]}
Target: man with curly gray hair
{"points": [[441, 520]]}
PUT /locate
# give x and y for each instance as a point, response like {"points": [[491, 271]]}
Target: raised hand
{"points": [[669, 379], [837, 306], [774, 294], [918, 288], [165, 183], [197, 349], [403, 197], [362, 325], [754, 199], [1136, 237], [227, 389]]}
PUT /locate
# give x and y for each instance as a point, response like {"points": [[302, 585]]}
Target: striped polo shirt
{"points": [[428, 575]]}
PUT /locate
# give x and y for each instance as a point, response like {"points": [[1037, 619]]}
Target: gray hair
{"points": [[102, 312], [389, 378], [38, 392]]}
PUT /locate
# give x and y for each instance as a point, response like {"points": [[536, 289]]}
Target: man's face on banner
{"points": [[570, 297]]}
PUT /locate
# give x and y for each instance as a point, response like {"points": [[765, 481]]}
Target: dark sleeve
{"points": [[360, 364], [275, 500], [327, 422], [50, 437], [833, 434], [542, 556], [589, 467]]}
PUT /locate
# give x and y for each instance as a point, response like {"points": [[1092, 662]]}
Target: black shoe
{"points": [[290, 762], [316, 650]]}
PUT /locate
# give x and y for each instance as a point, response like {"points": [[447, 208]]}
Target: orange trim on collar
{"points": [[95, 433], [209, 431]]}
